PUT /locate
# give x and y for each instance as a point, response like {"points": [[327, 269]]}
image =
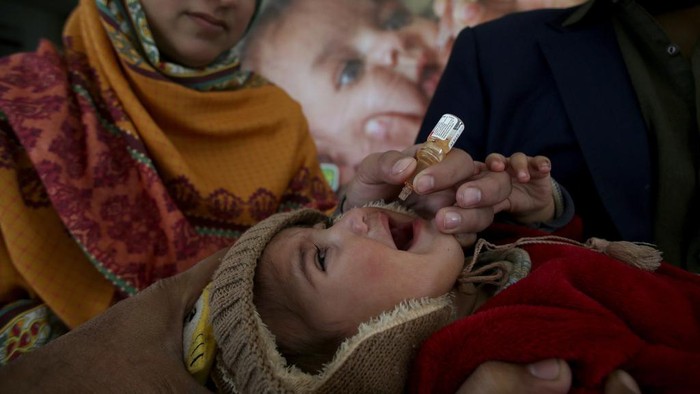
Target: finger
{"points": [[428, 206], [540, 167], [455, 220], [466, 240], [480, 167], [455, 168], [488, 189], [518, 164], [392, 167], [620, 382], [496, 162], [379, 176], [548, 376]]}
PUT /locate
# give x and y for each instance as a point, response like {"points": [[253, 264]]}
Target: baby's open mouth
{"points": [[402, 234], [404, 227]]}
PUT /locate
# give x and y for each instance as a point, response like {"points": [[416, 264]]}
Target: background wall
{"points": [[364, 71], [24, 22]]}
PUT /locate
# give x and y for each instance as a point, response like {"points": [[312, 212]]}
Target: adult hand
{"points": [[551, 376], [531, 199], [456, 192], [135, 346]]}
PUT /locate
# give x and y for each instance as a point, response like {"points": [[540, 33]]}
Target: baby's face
{"points": [[366, 263], [195, 32], [363, 71]]}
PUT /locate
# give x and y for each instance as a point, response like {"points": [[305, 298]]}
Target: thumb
{"points": [[543, 377], [390, 167], [379, 176]]}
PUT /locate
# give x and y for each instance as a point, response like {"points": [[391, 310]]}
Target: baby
{"points": [[306, 303], [296, 286]]}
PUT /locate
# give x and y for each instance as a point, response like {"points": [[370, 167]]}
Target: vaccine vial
{"points": [[441, 139]]}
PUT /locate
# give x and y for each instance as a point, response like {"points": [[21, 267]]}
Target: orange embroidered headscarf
{"points": [[115, 176]]}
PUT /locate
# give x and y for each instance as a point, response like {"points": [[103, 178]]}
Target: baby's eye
{"points": [[350, 73], [320, 258]]}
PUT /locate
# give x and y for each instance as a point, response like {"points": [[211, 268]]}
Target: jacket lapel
{"points": [[602, 107]]}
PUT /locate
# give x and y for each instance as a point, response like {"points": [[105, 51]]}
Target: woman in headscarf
{"points": [[140, 150]]}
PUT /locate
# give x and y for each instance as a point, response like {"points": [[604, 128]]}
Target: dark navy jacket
{"points": [[525, 83]]}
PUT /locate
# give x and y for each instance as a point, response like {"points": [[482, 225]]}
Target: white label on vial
{"points": [[449, 128]]}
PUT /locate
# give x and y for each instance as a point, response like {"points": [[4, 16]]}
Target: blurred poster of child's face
{"points": [[363, 71]]}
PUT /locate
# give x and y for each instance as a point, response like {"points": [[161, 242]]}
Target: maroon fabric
{"points": [[596, 312]]}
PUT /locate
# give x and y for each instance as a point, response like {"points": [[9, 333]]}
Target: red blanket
{"points": [[596, 312]]}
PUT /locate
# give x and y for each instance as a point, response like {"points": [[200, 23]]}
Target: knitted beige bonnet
{"points": [[376, 359]]}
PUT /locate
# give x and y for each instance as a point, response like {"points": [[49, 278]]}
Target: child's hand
{"points": [[531, 199]]}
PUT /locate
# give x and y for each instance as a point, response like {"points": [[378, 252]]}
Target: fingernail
{"points": [[424, 183], [401, 165], [547, 369], [628, 382], [452, 220], [470, 196]]}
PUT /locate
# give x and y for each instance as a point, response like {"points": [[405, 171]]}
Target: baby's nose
{"points": [[358, 223], [359, 226]]}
